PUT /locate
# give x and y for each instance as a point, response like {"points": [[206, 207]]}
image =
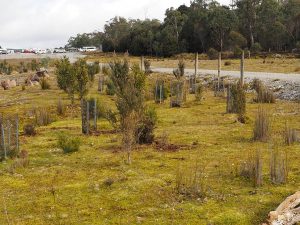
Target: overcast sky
{"points": [[50, 23]]}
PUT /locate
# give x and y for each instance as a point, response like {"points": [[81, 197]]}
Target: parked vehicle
{"points": [[3, 51], [88, 49], [59, 50]]}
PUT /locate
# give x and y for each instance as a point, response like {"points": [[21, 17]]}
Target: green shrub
{"points": [[212, 53], [145, 131], [44, 84], [68, 143], [110, 87], [236, 102]]}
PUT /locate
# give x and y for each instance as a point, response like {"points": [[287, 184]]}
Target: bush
{"points": [[68, 143], [44, 84], [42, 117], [145, 131], [236, 101], [261, 130], [264, 95], [110, 88], [29, 130], [61, 109], [227, 63], [212, 53]]}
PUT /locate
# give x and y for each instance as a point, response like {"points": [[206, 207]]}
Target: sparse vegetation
{"points": [[278, 166], [262, 127], [29, 130], [44, 84]]}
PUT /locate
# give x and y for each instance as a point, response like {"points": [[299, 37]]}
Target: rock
{"points": [[12, 83]]}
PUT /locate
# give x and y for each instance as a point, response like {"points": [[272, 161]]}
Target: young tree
{"points": [[82, 78], [66, 77], [130, 100]]}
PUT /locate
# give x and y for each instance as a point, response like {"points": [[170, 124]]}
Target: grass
{"points": [[72, 189], [276, 65]]}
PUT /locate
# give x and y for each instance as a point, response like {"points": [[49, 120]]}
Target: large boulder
{"points": [[5, 84]]}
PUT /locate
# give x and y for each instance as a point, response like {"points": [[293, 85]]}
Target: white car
{"points": [[40, 51], [3, 51], [59, 50], [88, 49]]}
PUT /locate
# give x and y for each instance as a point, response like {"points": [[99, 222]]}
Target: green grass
{"points": [[58, 188]]}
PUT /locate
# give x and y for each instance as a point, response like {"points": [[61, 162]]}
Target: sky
{"points": [[50, 23]]}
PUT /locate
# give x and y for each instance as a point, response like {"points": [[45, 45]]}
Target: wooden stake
{"points": [[142, 63], [196, 64], [242, 68], [219, 70]]}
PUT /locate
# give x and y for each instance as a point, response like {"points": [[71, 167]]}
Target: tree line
{"points": [[268, 25]]}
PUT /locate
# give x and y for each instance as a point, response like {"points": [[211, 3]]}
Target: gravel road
{"points": [[291, 77]]}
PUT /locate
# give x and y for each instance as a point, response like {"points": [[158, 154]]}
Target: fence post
{"points": [[219, 69], [142, 63], [228, 99], [196, 64], [8, 135], [242, 68], [87, 117], [17, 133], [3, 140], [95, 114], [160, 93]]}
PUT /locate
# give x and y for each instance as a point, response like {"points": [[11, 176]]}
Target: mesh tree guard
{"points": [[192, 84], [89, 115], [177, 93], [9, 136], [159, 92]]}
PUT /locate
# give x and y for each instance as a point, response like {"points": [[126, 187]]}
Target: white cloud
{"points": [[49, 23]]}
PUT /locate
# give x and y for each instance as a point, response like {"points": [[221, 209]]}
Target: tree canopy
{"points": [[274, 25]]}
